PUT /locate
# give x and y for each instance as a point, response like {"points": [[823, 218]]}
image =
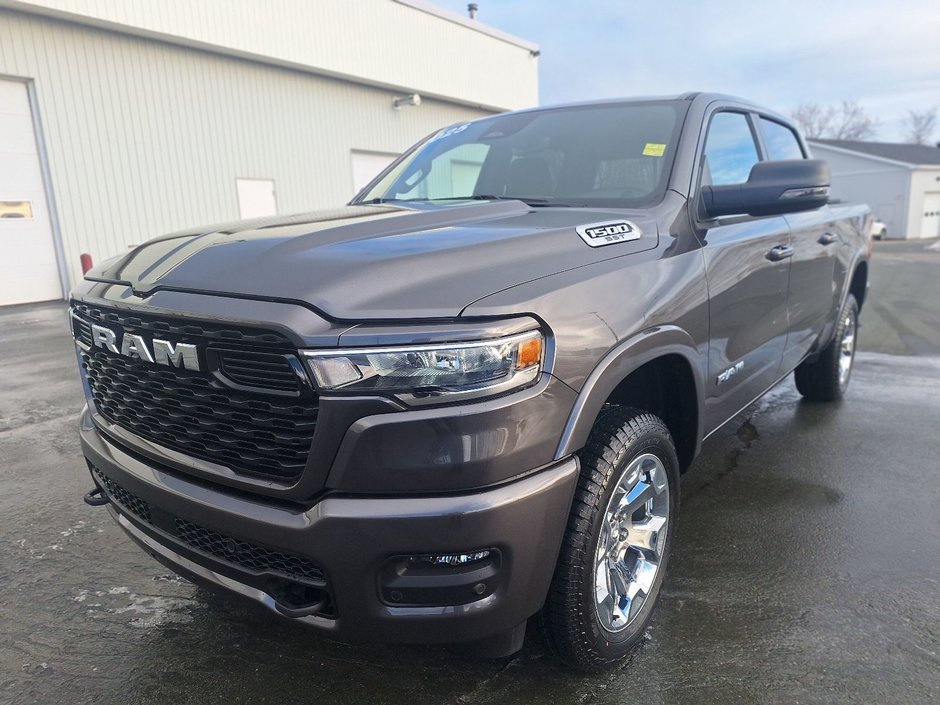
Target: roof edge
{"points": [[244, 55], [865, 155], [475, 25]]}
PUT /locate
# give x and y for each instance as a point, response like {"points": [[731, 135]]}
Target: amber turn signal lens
{"points": [[530, 353]]}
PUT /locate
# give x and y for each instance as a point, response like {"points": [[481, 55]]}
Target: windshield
{"points": [[614, 155]]}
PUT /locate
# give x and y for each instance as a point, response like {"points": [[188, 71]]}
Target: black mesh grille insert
{"points": [[225, 548], [247, 555], [266, 430], [258, 369], [129, 501]]}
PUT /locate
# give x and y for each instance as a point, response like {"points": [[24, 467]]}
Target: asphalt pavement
{"points": [[807, 566]]}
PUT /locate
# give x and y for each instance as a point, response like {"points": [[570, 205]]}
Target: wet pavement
{"points": [[807, 567]]}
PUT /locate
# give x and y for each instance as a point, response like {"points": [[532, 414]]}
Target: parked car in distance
{"points": [[466, 399], [879, 231]]}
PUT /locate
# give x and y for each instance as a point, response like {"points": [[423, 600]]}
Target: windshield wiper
{"points": [[534, 202], [374, 201], [529, 201]]}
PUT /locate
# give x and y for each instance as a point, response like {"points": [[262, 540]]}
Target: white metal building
{"points": [[901, 182], [120, 121]]}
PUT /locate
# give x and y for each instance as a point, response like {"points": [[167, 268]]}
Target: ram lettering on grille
{"points": [[183, 355]]}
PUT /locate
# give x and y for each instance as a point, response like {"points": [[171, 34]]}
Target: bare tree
{"points": [[846, 121], [814, 120], [855, 123], [920, 124]]}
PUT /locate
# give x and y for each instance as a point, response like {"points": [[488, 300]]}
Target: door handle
{"points": [[827, 238], [780, 252]]}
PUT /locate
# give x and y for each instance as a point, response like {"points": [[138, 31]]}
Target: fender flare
{"points": [[623, 359], [829, 328], [850, 277]]}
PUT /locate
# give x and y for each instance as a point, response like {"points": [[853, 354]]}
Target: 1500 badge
{"points": [[610, 233]]}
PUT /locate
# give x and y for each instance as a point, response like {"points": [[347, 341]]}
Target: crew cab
{"points": [[466, 398]]}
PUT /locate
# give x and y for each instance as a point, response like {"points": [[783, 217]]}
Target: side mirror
{"points": [[772, 188]]}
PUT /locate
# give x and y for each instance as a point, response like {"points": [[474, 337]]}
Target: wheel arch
{"points": [[858, 284], [658, 368]]}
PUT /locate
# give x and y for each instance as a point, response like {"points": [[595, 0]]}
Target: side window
{"points": [[730, 151], [780, 140]]}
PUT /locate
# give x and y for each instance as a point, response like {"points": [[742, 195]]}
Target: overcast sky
{"points": [[883, 53]]}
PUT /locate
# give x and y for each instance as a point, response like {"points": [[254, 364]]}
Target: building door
{"points": [[930, 227], [256, 198], [28, 267]]}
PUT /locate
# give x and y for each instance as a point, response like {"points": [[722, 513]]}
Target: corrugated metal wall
{"points": [[408, 43], [885, 187], [145, 137]]}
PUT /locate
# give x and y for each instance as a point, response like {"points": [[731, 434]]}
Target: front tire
{"points": [[827, 377], [617, 544]]}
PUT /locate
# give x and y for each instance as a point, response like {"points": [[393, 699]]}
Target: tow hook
{"points": [[303, 611], [96, 498]]}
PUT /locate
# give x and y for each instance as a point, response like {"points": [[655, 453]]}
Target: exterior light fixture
{"points": [[413, 99]]}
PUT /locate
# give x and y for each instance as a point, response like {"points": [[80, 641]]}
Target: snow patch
{"points": [[154, 611], [144, 611], [73, 529]]}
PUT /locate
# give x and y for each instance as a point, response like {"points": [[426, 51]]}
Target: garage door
{"points": [[28, 270], [930, 227]]}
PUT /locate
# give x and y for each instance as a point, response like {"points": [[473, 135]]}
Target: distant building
{"points": [[901, 182], [120, 121]]}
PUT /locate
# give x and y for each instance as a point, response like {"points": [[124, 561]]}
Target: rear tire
{"points": [[616, 548], [827, 377]]}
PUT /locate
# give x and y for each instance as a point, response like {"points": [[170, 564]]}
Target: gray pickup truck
{"points": [[466, 398]]}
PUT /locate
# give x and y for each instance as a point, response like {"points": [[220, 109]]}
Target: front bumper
{"points": [[351, 539]]}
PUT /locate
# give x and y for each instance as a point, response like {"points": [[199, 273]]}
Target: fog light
{"points": [[439, 579], [454, 558]]}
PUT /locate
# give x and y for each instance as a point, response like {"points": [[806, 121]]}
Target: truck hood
{"points": [[375, 262]]}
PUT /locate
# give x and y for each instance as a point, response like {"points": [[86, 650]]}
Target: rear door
{"points": [[813, 295], [747, 269]]}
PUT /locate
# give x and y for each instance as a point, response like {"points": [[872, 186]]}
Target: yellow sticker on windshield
{"points": [[653, 150]]}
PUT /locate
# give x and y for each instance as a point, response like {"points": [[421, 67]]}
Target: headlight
{"points": [[429, 373]]}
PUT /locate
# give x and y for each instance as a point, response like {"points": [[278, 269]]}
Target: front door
{"points": [[28, 266], [747, 268]]}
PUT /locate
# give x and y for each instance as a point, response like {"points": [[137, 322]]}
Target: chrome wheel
{"points": [[631, 543], [847, 348]]}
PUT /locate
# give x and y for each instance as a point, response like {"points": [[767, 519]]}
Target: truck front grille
{"points": [[248, 410]]}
